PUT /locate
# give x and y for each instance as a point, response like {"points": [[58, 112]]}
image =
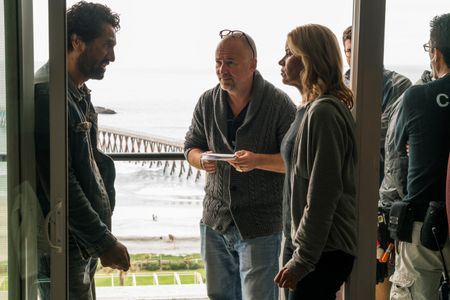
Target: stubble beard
{"points": [[89, 68], [227, 85]]}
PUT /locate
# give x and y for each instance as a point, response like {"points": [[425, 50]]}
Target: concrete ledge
{"points": [[153, 292]]}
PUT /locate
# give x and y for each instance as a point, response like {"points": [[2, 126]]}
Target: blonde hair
{"points": [[318, 49]]}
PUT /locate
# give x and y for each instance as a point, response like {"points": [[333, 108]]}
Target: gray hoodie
{"points": [[323, 184]]}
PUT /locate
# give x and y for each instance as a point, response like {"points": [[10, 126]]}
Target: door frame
{"points": [[19, 68]]}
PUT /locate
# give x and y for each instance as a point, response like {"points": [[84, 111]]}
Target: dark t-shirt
{"points": [[233, 124], [287, 145], [424, 124]]}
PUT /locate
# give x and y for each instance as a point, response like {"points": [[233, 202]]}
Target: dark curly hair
{"points": [[440, 35], [86, 20]]}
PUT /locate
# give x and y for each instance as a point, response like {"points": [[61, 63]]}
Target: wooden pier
{"points": [[156, 151]]}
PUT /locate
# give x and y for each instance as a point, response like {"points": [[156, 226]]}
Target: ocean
{"points": [[161, 101], [157, 212]]}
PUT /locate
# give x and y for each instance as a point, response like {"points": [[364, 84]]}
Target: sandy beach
{"points": [[162, 245], [156, 212], [169, 229]]}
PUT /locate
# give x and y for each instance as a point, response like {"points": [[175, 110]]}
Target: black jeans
{"points": [[323, 283]]}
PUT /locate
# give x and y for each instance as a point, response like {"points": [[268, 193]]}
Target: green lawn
{"points": [[145, 264], [146, 278]]}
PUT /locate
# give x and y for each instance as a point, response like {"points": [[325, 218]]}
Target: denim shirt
{"points": [[91, 173]]}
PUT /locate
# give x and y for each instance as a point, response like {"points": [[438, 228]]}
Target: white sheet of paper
{"points": [[217, 156]]}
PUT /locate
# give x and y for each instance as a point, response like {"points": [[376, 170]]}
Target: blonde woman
{"points": [[320, 156]]}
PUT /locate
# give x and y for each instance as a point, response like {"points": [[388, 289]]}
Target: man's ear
{"points": [[77, 43], [438, 56], [253, 63]]}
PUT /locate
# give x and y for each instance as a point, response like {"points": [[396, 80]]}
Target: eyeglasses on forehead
{"points": [[236, 33]]}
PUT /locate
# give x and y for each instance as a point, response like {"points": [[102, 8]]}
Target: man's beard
{"points": [[90, 68], [227, 85]]}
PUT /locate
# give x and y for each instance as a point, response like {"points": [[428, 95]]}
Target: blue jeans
{"points": [[240, 269], [81, 276]]}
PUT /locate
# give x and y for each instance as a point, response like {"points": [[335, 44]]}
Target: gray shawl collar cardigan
{"points": [[251, 200], [221, 108]]}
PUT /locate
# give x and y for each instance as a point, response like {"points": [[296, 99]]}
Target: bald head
{"points": [[235, 64], [242, 39]]}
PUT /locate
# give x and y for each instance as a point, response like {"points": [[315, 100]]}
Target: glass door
{"points": [[21, 221], [32, 213], [3, 168]]}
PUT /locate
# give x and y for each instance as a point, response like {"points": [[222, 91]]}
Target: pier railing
{"points": [[151, 150], [154, 151]]}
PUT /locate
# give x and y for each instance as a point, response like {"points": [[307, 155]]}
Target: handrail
{"points": [[134, 156], [146, 156]]}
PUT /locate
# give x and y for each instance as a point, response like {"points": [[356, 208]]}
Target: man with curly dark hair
{"points": [[91, 38]]}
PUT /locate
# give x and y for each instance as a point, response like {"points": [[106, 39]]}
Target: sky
{"points": [[180, 34], [183, 33]]}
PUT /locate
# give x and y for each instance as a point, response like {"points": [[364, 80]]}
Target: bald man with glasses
{"points": [[235, 136]]}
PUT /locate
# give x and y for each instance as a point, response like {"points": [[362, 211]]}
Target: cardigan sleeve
{"points": [[196, 134]]}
